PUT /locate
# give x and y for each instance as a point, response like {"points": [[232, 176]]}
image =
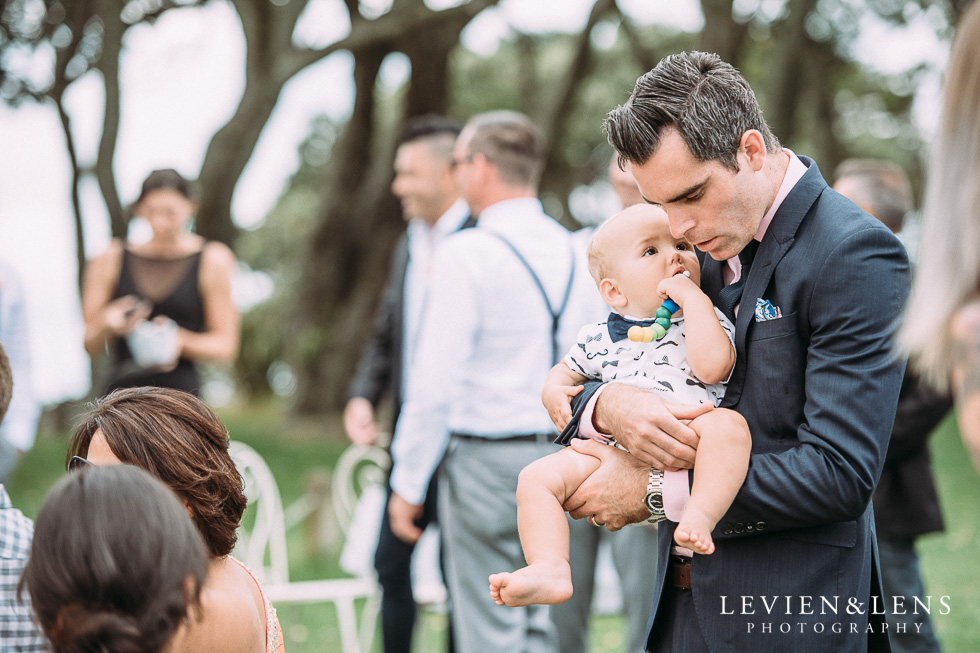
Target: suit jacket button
{"points": [[726, 529], [760, 526], [749, 527], [740, 527]]}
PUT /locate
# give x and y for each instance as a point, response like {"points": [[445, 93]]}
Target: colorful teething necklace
{"points": [[658, 329]]}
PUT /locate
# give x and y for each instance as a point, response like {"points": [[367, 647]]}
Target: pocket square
{"points": [[765, 311]]}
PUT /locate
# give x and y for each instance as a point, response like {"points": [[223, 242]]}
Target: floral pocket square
{"points": [[765, 311]]}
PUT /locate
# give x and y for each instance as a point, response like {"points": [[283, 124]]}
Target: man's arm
{"points": [[445, 344], [849, 387], [374, 369]]}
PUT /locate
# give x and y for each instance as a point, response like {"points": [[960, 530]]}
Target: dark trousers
{"points": [[393, 562], [676, 628], [908, 633]]}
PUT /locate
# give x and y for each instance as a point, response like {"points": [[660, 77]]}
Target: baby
{"points": [[638, 265]]}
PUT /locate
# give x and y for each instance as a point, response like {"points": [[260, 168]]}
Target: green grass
{"points": [[296, 451]]}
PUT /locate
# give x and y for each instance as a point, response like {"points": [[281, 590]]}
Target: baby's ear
{"points": [[609, 290]]}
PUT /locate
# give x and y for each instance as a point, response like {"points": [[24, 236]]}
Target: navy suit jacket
{"points": [[818, 388]]}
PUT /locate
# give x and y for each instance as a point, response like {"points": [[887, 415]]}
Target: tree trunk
{"points": [[788, 64], [228, 154], [722, 34], [341, 259], [113, 30]]}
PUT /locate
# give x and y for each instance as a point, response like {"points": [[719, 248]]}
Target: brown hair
{"points": [[115, 562], [176, 437]]}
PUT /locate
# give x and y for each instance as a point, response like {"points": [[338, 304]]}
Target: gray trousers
{"points": [[634, 552], [478, 515]]}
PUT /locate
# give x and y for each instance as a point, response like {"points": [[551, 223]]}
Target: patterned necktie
{"points": [[731, 294], [619, 326]]}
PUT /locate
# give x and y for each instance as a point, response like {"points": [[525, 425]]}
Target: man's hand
{"points": [[614, 493], [654, 430], [402, 516], [359, 421]]}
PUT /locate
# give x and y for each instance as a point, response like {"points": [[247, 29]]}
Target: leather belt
{"points": [[679, 571], [530, 437]]}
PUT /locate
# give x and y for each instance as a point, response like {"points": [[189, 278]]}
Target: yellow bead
{"points": [[635, 334]]}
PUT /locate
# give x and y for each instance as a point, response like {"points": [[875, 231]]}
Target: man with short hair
{"points": [[18, 630], [906, 500], [816, 286], [430, 204], [492, 329]]}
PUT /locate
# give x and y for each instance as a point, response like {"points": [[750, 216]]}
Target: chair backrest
{"points": [[359, 467], [263, 546]]}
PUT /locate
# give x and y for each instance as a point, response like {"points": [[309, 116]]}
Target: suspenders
{"points": [[555, 314]]}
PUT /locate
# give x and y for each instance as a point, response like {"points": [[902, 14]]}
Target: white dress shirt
{"points": [[20, 424], [422, 243], [484, 348]]}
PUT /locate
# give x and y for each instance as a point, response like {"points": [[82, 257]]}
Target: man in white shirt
{"points": [[20, 426], [499, 311], [425, 186]]}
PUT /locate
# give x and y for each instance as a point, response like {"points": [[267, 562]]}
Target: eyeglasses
{"points": [[76, 463], [455, 163]]}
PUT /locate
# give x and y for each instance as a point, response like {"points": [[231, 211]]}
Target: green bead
{"points": [[663, 312], [664, 322], [658, 331]]}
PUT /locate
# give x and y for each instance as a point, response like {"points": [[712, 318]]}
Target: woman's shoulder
{"points": [[231, 616]]}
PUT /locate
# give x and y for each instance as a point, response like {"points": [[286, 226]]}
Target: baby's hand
{"points": [[558, 400], [680, 288]]}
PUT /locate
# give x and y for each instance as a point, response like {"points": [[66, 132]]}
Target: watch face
{"points": [[655, 503]]}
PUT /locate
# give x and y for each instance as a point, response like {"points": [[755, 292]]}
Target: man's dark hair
{"points": [[428, 125], [437, 131], [882, 186], [705, 99], [6, 382], [512, 143]]}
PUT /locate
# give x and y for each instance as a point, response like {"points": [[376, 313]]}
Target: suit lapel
{"points": [[778, 239]]}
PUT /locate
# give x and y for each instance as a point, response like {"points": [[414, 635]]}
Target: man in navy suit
{"points": [[816, 286]]}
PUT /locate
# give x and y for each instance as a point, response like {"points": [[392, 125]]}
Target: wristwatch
{"points": [[654, 499]]}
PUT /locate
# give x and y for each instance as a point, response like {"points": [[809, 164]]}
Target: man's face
{"points": [[717, 210], [423, 182]]}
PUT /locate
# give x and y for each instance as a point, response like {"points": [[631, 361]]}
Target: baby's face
{"points": [[642, 253]]}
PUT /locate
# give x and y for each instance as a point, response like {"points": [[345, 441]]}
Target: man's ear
{"points": [[609, 290], [753, 145]]}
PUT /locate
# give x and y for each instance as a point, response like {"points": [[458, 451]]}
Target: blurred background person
{"points": [[941, 330], [634, 550], [116, 565], [906, 502], [19, 427], [430, 204], [18, 630], [494, 321], [161, 306], [178, 439]]}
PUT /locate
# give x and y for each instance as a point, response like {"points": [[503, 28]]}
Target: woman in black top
{"points": [[161, 305]]}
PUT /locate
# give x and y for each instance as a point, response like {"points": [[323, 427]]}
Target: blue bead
{"points": [[670, 305]]}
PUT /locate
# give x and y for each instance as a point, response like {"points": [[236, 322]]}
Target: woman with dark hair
{"points": [[116, 566], [178, 438], [161, 305]]}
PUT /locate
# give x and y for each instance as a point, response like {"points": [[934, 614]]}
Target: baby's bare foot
{"points": [[694, 532], [542, 583]]}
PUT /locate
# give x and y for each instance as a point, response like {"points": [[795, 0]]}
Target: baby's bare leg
{"points": [[542, 488], [720, 467]]}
